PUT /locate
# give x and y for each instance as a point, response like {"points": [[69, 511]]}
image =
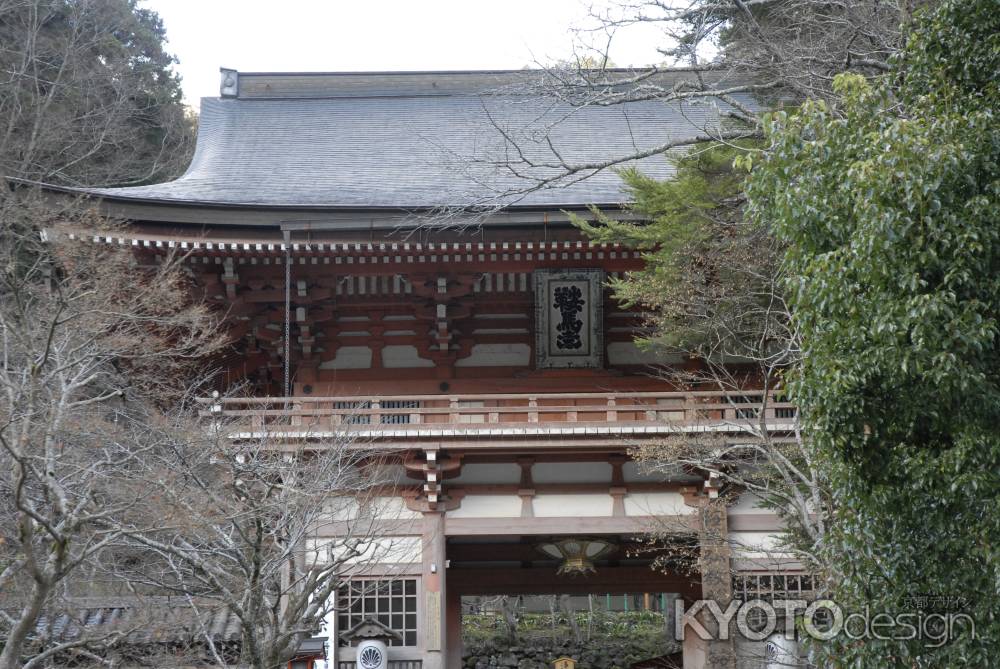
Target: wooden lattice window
{"points": [[392, 602], [772, 586]]}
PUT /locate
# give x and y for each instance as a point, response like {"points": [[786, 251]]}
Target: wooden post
{"points": [[453, 629], [716, 577], [435, 615]]}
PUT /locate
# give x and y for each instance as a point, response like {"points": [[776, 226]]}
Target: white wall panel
{"points": [[403, 357], [571, 472], [488, 473], [570, 506], [381, 550], [393, 508], [380, 508], [656, 504], [747, 503], [497, 355], [488, 506], [350, 357], [632, 473], [757, 544]]}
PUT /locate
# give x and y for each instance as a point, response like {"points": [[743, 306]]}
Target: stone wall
{"points": [[598, 653]]}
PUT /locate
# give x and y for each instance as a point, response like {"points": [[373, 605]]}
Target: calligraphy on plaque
{"points": [[568, 318], [569, 301]]}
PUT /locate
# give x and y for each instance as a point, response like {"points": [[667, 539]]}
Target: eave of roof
{"points": [[318, 220], [389, 146], [107, 195]]}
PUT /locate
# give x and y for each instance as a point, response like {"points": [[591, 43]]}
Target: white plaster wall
{"points": [[393, 508], [570, 506], [338, 509], [488, 473], [488, 506], [381, 550], [402, 357], [656, 504], [757, 544], [747, 503], [633, 474], [497, 355], [571, 472], [350, 357], [393, 474], [380, 508]]}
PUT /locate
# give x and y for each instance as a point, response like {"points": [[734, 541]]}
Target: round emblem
{"points": [[370, 658]]}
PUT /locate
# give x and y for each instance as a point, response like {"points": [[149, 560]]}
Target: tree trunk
{"points": [[10, 658], [510, 606], [566, 606]]}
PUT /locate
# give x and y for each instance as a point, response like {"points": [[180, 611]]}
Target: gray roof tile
{"points": [[411, 150]]}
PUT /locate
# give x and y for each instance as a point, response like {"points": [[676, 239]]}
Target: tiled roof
{"points": [[408, 141], [170, 621], [152, 620]]}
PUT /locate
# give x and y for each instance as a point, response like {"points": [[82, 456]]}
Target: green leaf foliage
{"points": [[890, 209], [707, 270]]}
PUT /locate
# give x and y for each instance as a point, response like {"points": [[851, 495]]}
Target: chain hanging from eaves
{"points": [[288, 322]]}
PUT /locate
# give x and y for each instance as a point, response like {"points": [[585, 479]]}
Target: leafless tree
{"points": [[796, 46], [568, 610], [91, 342], [722, 64], [87, 96], [510, 607], [761, 456], [267, 532]]}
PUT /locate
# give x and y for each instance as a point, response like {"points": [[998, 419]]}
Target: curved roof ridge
{"points": [[280, 85], [414, 151]]}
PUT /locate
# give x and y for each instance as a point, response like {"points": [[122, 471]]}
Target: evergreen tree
{"points": [[88, 96], [891, 214]]}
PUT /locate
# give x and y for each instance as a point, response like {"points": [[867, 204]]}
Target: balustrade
{"points": [[487, 412]]}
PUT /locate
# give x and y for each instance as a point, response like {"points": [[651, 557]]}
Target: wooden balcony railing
{"points": [[427, 415]]}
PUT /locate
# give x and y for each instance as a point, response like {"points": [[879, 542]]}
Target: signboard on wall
{"points": [[432, 616], [569, 315]]}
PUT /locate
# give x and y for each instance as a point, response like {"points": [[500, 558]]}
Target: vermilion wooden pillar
{"points": [[453, 628], [435, 638]]}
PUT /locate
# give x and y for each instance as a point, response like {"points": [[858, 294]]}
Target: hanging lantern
{"points": [[577, 553]]}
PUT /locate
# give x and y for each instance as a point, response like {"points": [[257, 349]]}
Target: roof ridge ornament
{"points": [[229, 86]]}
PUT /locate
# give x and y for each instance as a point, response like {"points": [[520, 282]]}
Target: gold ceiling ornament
{"points": [[577, 553]]}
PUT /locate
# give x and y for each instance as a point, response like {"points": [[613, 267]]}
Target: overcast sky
{"points": [[351, 35]]}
